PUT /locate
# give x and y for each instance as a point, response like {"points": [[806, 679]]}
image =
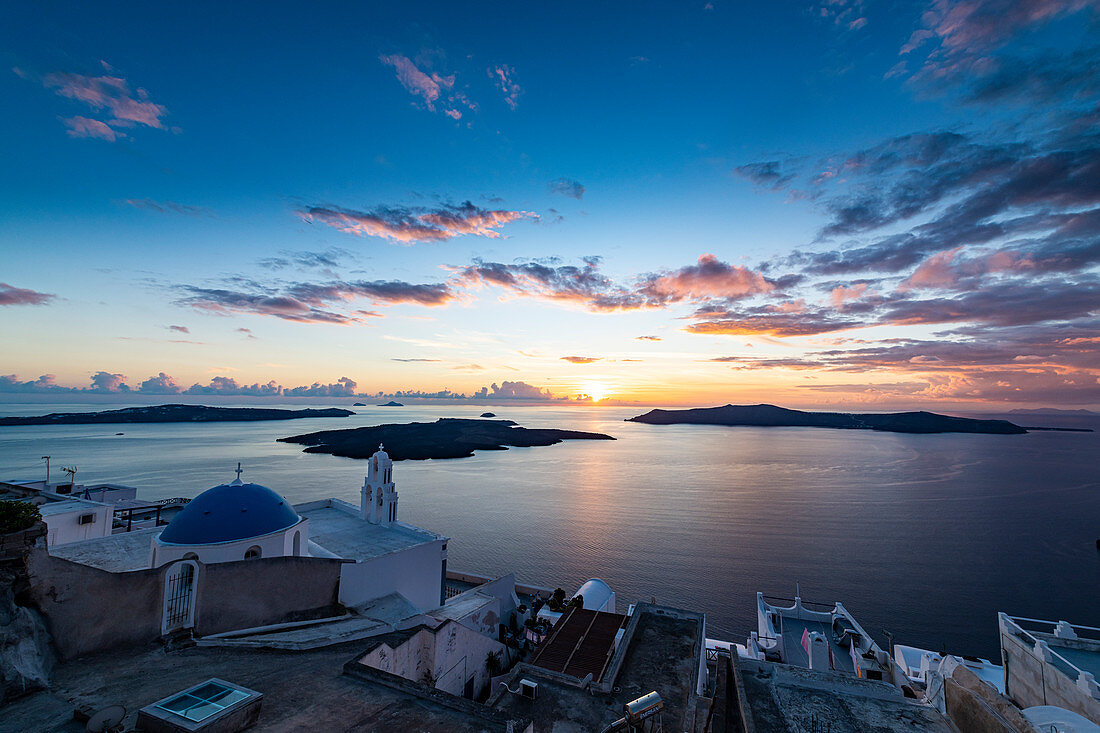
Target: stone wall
{"points": [[249, 593], [975, 707], [88, 609]]}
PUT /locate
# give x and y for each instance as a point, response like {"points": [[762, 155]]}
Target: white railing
{"points": [[1085, 680]]}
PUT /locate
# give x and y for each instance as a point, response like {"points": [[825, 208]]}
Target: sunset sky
{"points": [[843, 203]]}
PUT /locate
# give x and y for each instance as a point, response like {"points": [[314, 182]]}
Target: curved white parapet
{"points": [[1049, 717]]}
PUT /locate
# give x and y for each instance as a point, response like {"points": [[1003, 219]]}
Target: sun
{"points": [[596, 390]]}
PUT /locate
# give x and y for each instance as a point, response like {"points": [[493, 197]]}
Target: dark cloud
{"points": [[567, 187], [179, 329], [167, 207], [768, 174], [306, 302], [414, 360]]}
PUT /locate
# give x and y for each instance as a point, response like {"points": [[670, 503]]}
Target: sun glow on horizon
{"points": [[597, 390]]}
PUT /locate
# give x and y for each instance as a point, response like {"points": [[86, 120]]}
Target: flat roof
{"points": [[303, 690], [784, 697], [581, 643], [662, 656], [63, 506], [353, 538], [117, 553]]}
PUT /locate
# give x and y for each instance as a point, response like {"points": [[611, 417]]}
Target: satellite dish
{"points": [[106, 719]]}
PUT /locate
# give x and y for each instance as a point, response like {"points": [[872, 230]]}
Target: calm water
{"points": [[924, 536]]}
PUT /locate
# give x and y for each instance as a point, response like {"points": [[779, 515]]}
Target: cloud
{"points": [[247, 332], [409, 225], [766, 174], [504, 78], [587, 286], [160, 384], [415, 81], [10, 384], [567, 187], [179, 329], [167, 207], [433, 89], [581, 359], [328, 260], [11, 295], [709, 277], [87, 127], [647, 338], [222, 301], [514, 391], [313, 302], [414, 360], [110, 95], [584, 285], [229, 386], [107, 382], [343, 387]]}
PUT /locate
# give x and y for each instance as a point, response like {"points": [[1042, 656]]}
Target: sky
{"points": [[850, 202]]}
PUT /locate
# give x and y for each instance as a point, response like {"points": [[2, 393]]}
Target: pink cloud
{"points": [[110, 93], [87, 127], [407, 225], [709, 277], [504, 77], [842, 293]]}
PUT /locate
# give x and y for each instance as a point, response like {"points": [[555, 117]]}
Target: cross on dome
{"points": [[237, 481]]}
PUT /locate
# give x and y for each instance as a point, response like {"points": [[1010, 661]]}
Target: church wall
{"points": [[275, 544], [89, 610], [416, 573], [248, 593]]}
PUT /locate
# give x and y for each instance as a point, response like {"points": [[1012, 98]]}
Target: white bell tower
{"points": [[379, 498]]}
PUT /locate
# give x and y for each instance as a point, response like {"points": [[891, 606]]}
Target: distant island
{"points": [[172, 413], [488, 414], [444, 438], [772, 416], [391, 403], [359, 404]]}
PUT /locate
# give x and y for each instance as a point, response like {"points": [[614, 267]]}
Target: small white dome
{"points": [[595, 594]]}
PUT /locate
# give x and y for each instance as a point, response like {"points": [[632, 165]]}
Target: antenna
{"points": [[71, 471], [47, 460]]}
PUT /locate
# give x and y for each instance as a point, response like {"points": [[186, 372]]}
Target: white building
{"points": [[68, 518]]}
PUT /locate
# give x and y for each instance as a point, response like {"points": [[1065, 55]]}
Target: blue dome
{"points": [[229, 512]]}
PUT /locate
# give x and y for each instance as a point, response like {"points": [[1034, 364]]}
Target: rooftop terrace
{"points": [[336, 526], [781, 697]]}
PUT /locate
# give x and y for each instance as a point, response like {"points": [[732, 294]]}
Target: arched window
{"points": [[190, 556], [252, 553]]}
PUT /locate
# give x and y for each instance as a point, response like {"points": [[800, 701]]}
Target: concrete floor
{"points": [[302, 691]]}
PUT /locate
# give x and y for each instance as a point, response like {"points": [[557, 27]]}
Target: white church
{"points": [[245, 521]]}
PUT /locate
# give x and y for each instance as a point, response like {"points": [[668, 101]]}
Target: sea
{"points": [[922, 537]]}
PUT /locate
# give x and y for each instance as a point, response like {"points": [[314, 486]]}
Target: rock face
{"points": [[26, 656], [772, 416], [444, 438], [172, 413]]}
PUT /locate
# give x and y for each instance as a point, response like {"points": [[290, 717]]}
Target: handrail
{"points": [[1047, 646]]}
